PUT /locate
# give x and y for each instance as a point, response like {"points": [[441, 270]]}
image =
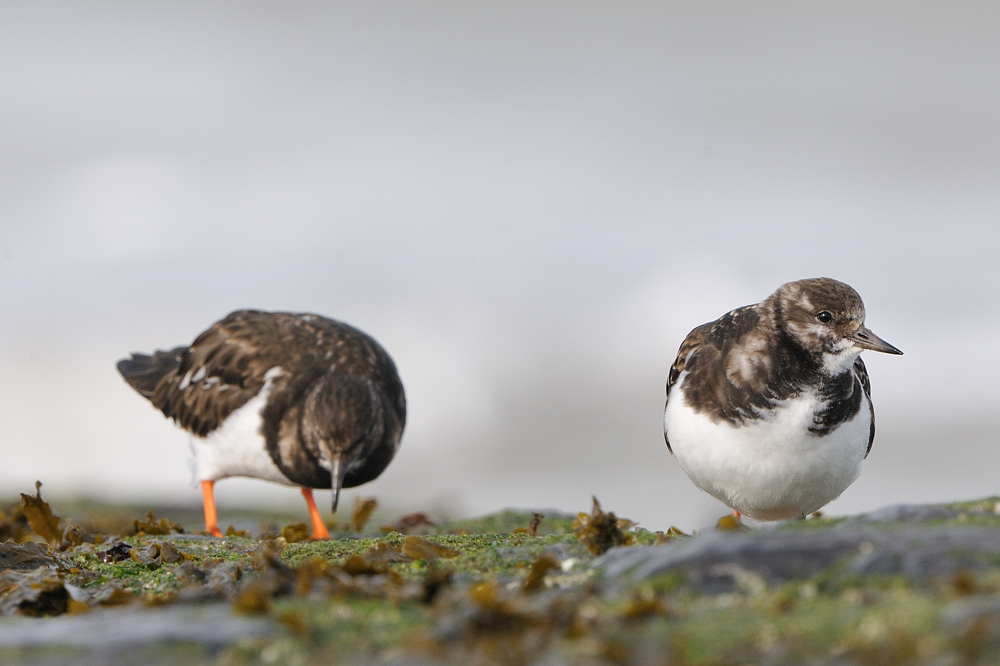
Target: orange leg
{"points": [[319, 528], [738, 516], [211, 519]]}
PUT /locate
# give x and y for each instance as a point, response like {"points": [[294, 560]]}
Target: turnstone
{"points": [[769, 407], [297, 399]]}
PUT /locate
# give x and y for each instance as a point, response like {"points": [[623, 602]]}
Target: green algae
{"points": [[167, 654], [801, 625], [510, 520], [479, 555], [831, 617], [322, 632]]}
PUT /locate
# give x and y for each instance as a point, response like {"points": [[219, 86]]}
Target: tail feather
{"points": [[143, 372]]}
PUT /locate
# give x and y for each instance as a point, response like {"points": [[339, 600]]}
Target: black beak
{"points": [[867, 340], [337, 469]]}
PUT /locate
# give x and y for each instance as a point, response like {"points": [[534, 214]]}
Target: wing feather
{"points": [[220, 372], [694, 340], [710, 342], [227, 365], [861, 372]]}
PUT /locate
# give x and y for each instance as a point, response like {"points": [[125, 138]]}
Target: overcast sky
{"points": [[529, 204]]}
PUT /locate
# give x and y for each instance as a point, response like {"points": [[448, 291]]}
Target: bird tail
{"points": [[143, 372]]}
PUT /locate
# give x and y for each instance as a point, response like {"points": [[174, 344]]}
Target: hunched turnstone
{"points": [[769, 407], [297, 399]]}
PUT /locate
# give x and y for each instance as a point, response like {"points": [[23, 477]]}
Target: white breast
{"points": [[772, 468], [238, 447]]}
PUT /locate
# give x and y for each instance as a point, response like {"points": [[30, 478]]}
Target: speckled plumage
{"points": [[781, 382], [334, 400]]}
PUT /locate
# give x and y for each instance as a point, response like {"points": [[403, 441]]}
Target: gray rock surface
{"points": [[720, 562], [24, 556], [117, 629], [904, 513], [979, 614], [560, 551]]}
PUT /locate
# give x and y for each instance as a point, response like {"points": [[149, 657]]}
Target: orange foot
{"points": [[319, 528], [729, 523], [211, 519]]}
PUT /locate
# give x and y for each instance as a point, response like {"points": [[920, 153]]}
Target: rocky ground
{"points": [[907, 584]]}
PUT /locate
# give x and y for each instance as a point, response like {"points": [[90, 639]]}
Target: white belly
{"points": [[773, 468], [237, 447]]}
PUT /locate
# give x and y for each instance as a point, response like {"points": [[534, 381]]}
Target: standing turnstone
{"points": [[769, 407], [297, 399]]}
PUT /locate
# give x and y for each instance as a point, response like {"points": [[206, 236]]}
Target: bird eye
{"points": [[825, 317]]}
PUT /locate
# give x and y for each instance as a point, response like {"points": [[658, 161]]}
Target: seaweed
{"points": [[600, 531], [412, 523], [153, 527], [57, 532], [422, 549], [488, 591], [364, 507]]}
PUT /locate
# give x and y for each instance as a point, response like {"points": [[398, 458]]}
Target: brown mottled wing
{"points": [[219, 373], [694, 340], [226, 366], [712, 340], [861, 372]]}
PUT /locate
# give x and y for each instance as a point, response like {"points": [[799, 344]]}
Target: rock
{"points": [[961, 615], [211, 582], [564, 551], [904, 513], [211, 625], [721, 562], [560, 551], [974, 624], [39, 592], [24, 556]]}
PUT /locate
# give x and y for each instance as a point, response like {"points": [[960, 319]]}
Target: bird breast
{"points": [[237, 447], [772, 467]]}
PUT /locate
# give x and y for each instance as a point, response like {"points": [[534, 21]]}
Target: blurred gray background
{"points": [[528, 203]]}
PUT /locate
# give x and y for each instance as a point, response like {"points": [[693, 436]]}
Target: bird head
{"points": [[341, 422], [827, 319]]}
